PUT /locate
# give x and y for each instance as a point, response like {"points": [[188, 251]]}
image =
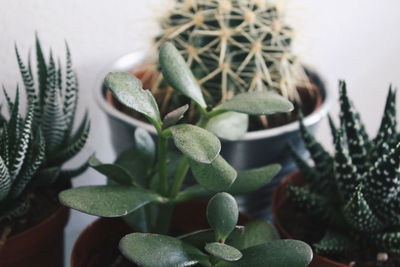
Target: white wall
{"points": [[356, 40]]}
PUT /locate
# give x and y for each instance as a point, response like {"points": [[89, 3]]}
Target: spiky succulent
{"points": [[235, 46], [55, 102], [355, 191], [21, 154]]}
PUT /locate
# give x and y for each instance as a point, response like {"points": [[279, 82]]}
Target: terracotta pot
{"points": [[39, 246], [279, 198], [89, 249]]}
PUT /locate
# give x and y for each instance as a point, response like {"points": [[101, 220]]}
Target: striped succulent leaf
{"points": [[367, 181]]}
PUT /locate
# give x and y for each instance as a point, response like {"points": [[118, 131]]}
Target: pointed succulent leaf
{"points": [[257, 103], [128, 90], [165, 251], [4, 146], [174, 116], [5, 180], [222, 215], [254, 233], [253, 179], [279, 253], [27, 79], [217, 176], [389, 241], [66, 175], [112, 171], [196, 143], [352, 126], [107, 201], [229, 125], [383, 181], [223, 251], [346, 173], [334, 243], [14, 125], [178, 75], [359, 214], [332, 127], [42, 72], [15, 209]]}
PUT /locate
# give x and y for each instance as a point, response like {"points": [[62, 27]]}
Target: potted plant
{"points": [[225, 244], [350, 199], [232, 47], [33, 150], [143, 190]]}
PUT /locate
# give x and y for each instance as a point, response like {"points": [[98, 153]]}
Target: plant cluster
{"points": [[34, 148], [355, 191], [234, 47], [146, 188], [225, 244]]}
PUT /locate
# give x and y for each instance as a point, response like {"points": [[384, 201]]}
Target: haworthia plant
{"points": [[54, 96], [357, 189], [226, 244]]}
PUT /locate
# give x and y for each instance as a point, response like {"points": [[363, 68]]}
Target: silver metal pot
{"points": [[255, 149]]}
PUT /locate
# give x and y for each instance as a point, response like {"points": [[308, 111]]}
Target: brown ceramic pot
{"points": [[90, 247], [39, 246], [279, 199]]}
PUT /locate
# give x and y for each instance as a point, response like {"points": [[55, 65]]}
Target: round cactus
{"points": [[234, 46]]}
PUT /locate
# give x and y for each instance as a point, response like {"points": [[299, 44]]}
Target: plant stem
{"points": [[162, 165], [179, 177]]}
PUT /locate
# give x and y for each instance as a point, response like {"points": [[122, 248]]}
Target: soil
{"points": [[303, 227], [44, 202], [310, 99]]}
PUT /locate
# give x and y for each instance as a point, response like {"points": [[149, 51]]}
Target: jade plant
{"points": [[54, 98], [225, 244], [234, 47], [21, 154], [146, 182], [355, 191]]}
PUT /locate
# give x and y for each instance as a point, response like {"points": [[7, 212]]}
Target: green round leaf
{"points": [[112, 171], [257, 103], [174, 116], [279, 253], [127, 89], [223, 251], [254, 233], [159, 250], [107, 201], [178, 75], [229, 125], [145, 143], [195, 142], [217, 176], [222, 215], [251, 180]]}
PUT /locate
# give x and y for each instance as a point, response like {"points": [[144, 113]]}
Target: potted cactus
{"points": [[225, 244], [145, 187], [350, 199], [33, 150], [231, 47]]}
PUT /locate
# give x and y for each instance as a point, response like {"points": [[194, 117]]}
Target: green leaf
{"points": [[217, 176], [229, 125], [279, 253], [178, 75], [223, 251], [145, 144], [107, 201], [128, 90], [200, 238], [251, 180], [257, 103], [159, 250], [195, 142], [112, 171], [192, 192], [222, 215], [255, 233], [174, 116]]}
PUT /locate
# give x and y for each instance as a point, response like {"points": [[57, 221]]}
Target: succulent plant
{"points": [[234, 47], [145, 186], [21, 154], [225, 244], [55, 102], [355, 191]]}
